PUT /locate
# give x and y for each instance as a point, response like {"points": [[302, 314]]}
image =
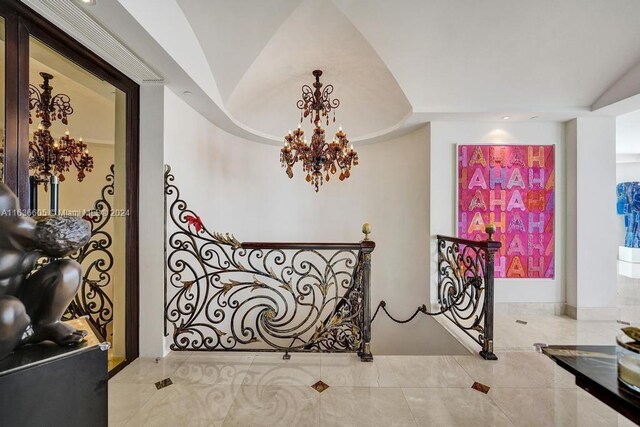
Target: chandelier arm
{"points": [[328, 102], [307, 98], [61, 107], [34, 100], [34, 97]]}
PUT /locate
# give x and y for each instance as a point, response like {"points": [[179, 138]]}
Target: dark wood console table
{"points": [[596, 371], [49, 385]]}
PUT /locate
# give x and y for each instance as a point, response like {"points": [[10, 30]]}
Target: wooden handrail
{"points": [[304, 245], [490, 245]]}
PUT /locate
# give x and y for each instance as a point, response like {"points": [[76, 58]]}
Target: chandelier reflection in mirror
{"points": [[319, 158], [49, 157]]}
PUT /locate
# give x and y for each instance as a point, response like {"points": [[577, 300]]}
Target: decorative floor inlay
{"points": [[164, 383], [320, 386], [480, 387], [522, 322]]}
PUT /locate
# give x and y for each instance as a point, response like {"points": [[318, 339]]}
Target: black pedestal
{"points": [[48, 385]]}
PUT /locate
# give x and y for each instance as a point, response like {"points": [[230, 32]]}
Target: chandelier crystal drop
{"points": [[319, 159], [48, 156]]}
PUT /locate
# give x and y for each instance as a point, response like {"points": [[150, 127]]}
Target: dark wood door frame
{"points": [[20, 23]]}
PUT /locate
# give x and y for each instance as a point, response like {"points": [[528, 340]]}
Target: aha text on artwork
{"points": [[512, 187]]}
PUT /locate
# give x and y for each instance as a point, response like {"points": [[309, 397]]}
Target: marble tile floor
{"points": [[245, 389], [240, 389], [511, 334]]}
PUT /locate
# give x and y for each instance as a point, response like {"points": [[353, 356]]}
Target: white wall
{"points": [[627, 171], [151, 208], [571, 233], [628, 133], [591, 263], [444, 138], [238, 186]]}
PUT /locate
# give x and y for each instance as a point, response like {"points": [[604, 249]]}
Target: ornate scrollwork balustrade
{"points": [[93, 298], [221, 294], [466, 287]]}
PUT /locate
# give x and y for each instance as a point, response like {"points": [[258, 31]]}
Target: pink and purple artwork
{"points": [[513, 187]]}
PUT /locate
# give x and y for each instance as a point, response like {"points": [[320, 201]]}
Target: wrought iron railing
{"points": [[93, 297], [466, 287], [221, 294]]}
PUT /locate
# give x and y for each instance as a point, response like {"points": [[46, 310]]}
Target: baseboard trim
{"points": [[592, 313], [531, 308]]}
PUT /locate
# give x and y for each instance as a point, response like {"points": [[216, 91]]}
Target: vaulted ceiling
{"points": [[394, 64], [434, 58]]}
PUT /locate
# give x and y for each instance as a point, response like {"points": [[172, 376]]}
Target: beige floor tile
{"points": [[624, 422], [454, 407], [364, 406], [522, 369], [274, 406], [270, 369], [221, 353], [213, 369], [182, 354], [186, 405], [552, 330], [429, 371], [551, 407], [146, 370], [340, 370], [125, 400]]}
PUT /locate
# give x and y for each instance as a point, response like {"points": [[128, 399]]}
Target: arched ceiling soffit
{"points": [[261, 61], [396, 64], [460, 56]]}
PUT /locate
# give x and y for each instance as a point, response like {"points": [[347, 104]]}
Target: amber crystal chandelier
{"points": [[319, 159], [50, 157]]}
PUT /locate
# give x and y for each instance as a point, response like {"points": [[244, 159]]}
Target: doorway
{"points": [[59, 97]]}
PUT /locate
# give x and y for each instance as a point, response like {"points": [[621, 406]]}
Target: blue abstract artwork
{"points": [[629, 205]]}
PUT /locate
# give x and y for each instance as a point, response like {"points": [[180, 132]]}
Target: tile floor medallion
{"points": [[482, 388], [163, 383], [320, 386]]}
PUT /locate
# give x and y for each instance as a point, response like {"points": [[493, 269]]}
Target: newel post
{"points": [[366, 247], [492, 248]]}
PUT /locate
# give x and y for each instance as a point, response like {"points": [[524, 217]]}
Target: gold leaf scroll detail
{"points": [[257, 284], [287, 286], [219, 332], [227, 239], [226, 287]]}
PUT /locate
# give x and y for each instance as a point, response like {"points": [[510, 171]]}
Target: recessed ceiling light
{"points": [[506, 117], [89, 2]]}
